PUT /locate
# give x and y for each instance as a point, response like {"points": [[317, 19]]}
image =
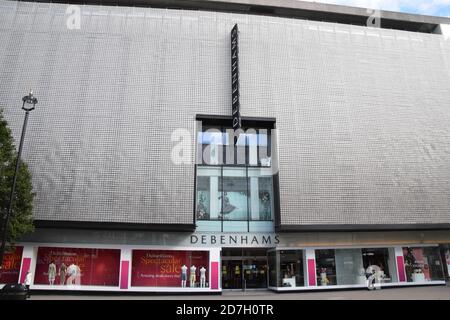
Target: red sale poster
{"points": [[162, 268], [11, 266], [78, 266]]}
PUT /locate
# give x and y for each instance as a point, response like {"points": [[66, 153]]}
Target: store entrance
{"points": [[244, 269]]}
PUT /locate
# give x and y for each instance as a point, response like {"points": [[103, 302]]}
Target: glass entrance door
{"points": [[231, 274], [255, 274], [244, 269]]}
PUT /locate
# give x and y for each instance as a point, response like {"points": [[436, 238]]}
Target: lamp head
{"points": [[29, 102]]}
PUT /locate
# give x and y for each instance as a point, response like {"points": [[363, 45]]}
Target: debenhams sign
{"points": [[235, 240]]}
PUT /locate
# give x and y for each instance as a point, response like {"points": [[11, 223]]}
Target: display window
{"points": [[447, 259], [272, 265], [326, 267], [381, 262], [10, 270], [423, 264], [349, 267], [170, 268], [77, 266], [291, 268]]}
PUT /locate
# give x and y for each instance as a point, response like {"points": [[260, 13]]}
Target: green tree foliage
{"points": [[21, 219]]}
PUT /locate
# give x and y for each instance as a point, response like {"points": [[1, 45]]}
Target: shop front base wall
{"points": [[118, 290], [358, 286]]}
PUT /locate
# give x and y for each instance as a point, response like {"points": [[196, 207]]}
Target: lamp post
{"points": [[29, 103]]}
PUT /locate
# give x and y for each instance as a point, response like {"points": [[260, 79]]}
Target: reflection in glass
{"points": [[349, 267]]}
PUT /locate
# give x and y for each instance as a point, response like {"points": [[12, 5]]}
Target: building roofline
{"points": [[287, 9]]}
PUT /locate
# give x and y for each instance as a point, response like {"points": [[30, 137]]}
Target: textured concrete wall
{"points": [[363, 114]]}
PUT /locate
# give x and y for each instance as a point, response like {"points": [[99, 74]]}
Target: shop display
{"points": [[447, 258], [323, 277], [167, 268], [9, 273], [418, 276], [326, 267], [77, 266], [423, 264]]}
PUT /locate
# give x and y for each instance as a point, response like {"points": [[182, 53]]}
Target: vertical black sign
{"points": [[235, 78]]}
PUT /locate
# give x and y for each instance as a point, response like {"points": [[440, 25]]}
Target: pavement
{"points": [[409, 293]]}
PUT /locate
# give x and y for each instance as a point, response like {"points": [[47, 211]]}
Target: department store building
{"points": [[341, 160]]}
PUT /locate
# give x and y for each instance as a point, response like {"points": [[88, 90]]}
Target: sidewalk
{"points": [[416, 293]]}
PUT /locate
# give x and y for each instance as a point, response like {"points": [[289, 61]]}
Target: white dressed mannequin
{"points": [[202, 277], [72, 271], [183, 276], [192, 276]]}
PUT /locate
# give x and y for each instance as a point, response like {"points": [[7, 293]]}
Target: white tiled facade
{"points": [[362, 114]]}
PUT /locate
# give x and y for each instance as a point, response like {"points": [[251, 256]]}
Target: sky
{"points": [[426, 7]]}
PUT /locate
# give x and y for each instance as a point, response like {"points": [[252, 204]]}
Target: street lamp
{"points": [[29, 103]]}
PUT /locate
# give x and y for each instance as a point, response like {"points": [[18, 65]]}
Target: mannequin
{"points": [[202, 277], [192, 278], [72, 270], [51, 273], [62, 274], [183, 276]]}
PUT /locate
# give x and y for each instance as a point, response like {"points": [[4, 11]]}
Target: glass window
{"points": [[423, 264], [272, 263], [77, 266], [233, 189], [234, 194], [265, 195], [261, 194], [380, 261], [211, 145], [170, 268], [291, 268], [203, 198], [325, 267], [446, 256], [349, 267], [12, 259], [224, 146], [234, 178], [209, 201]]}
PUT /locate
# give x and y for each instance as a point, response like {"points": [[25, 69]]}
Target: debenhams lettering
{"points": [[235, 239]]}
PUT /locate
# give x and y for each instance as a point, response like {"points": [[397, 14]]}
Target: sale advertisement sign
{"points": [[163, 268], [77, 266], [11, 265]]}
